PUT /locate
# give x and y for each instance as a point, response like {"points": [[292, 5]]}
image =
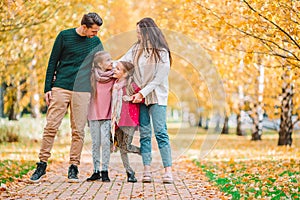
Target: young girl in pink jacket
{"points": [[99, 114], [125, 114]]}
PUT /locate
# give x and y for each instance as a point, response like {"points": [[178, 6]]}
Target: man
{"points": [[68, 84]]}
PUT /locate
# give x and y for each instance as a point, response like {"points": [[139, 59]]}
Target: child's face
{"points": [[106, 63], [119, 71]]}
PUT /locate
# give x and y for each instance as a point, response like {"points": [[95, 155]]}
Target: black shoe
{"points": [[39, 172], [104, 175], [72, 174], [130, 177], [95, 176]]}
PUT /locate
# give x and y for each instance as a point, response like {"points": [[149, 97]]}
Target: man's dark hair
{"points": [[90, 19]]}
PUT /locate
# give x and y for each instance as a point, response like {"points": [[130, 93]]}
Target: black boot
{"points": [[73, 174], [95, 176], [130, 177], [39, 172], [104, 175]]}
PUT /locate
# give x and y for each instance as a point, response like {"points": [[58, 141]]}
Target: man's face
{"points": [[91, 32]]}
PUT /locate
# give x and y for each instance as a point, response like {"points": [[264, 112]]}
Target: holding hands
{"points": [[136, 98]]}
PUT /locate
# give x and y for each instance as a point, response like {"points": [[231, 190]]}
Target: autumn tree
{"points": [[28, 32], [260, 35], [21, 48], [253, 44], [273, 26]]}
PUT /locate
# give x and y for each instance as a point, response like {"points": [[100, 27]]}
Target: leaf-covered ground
{"points": [[248, 169], [241, 168], [17, 159]]}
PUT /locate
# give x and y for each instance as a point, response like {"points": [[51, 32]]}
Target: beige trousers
{"points": [[61, 100]]}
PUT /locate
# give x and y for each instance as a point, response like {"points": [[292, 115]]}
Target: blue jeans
{"points": [[158, 117]]}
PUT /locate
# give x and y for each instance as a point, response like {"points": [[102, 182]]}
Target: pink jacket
{"points": [[100, 106], [130, 111]]}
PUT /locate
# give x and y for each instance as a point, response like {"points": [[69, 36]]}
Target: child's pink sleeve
{"points": [[135, 87]]}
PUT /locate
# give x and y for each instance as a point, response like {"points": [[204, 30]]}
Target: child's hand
{"points": [[137, 98], [127, 98]]}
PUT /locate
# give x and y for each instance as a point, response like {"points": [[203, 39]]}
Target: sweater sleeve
{"points": [[53, 61], [135, 87], [99, 47], [162, 71]]}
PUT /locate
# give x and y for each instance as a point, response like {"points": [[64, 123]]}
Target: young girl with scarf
{"points": [[99, 115]]}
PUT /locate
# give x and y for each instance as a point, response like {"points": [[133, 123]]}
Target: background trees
{"points": [[253, 44]]}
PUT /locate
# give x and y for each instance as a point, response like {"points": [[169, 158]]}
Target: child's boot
{"points": [[104, 175], [130, 177]]}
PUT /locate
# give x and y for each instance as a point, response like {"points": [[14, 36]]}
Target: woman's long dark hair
{"points": [[153, 39]]}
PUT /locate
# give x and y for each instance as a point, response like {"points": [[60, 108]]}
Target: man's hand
{"points": [[137, 98], [48, 97]]}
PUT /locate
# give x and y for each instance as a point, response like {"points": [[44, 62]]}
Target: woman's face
{"points": [[119, 71], [106, 63]]}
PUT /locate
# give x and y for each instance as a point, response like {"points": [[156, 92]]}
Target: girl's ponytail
{"points": [[129, 69], [129, 88], [93, 82], [98, 58]]}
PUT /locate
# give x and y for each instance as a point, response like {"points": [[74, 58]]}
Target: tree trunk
{"points": [[239, 130], [225, 129], [286, 124], [218, 121], [200, 121], [12, 115], [257, 124], [14, 110], [259, 113], [1, 101], [206, 123], [34, 99]]}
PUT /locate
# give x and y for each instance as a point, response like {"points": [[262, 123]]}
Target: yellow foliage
{"points": [[237, 35]]}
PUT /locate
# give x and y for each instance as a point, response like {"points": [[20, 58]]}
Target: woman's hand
{"points": [[137, 98]]}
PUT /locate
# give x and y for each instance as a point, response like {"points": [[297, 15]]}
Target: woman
{"points": [[152, 60]]}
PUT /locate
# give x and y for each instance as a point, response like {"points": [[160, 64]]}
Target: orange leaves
{"points": [[261, 182], [254, 170]]}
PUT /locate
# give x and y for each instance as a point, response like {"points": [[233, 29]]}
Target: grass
{"points": [[273, 179], [241, 168], [11, 169], [18, 158], [245, 169]]}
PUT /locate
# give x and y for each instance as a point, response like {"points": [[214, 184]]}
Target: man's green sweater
{"points": [[71, 60]]}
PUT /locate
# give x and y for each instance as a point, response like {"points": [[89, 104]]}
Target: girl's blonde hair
{"points": [[129, 69], [98, 58]]}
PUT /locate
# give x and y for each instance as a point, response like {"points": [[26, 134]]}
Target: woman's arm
{"points": [[128, 56]]}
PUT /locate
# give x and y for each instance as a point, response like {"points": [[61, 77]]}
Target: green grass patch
{"points": [[11, 169], [255, 179], [18, 158]]}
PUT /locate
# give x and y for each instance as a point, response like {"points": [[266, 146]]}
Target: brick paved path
{"points": [[189, 182]]}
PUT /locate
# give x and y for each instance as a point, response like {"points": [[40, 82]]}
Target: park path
{"points": [[189, 181]]}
